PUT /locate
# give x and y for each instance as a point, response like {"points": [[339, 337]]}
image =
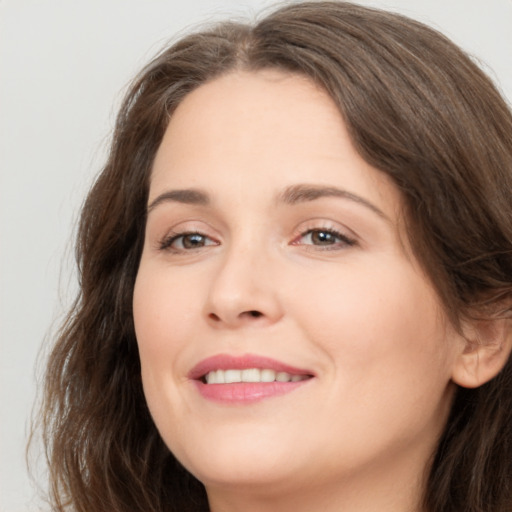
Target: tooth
{"points": [[251, 375], [268, 375], [283, 377], [232, 376]]}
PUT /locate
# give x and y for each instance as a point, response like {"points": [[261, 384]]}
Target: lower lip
{"points": [[246, 392]]}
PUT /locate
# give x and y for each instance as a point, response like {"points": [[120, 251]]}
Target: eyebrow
{"points": [[185, 196], [304, 193], [292, 195]]}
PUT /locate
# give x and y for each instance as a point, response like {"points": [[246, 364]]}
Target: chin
{"points": [[247, 460]]}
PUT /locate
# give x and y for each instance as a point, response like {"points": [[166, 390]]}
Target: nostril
{"points": [[244, 314]]}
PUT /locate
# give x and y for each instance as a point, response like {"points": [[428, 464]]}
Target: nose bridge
{"points": [[243, 289]]}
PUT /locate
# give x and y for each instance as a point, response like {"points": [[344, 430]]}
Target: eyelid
{"points": [[347, 237], [165, 243], [165, 234]]}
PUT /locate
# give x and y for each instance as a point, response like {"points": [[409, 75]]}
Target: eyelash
{"points": [[341, 240], [167, 242]]}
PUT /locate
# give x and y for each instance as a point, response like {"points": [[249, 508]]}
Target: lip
{"points": [[244, 392], [227, 361]]}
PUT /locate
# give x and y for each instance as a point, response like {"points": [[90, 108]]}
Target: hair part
{"points": [[418, 109]]}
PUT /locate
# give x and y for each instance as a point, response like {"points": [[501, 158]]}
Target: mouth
{"points": [[246, 379], [233, 375]]}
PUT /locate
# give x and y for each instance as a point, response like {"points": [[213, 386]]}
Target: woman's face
{"points": [[275, 254]]}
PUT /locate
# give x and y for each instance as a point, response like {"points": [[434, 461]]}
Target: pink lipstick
{"points": [[246, 379]]}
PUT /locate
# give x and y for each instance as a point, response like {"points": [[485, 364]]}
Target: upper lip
{"points": [[243, 362]]}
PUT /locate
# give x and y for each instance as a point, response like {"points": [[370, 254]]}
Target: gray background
{"points": [[63, 68]]}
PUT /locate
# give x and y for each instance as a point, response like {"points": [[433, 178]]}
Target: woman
{"points": [[296, 275]]}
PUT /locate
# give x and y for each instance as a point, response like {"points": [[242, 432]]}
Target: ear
{"points": [[486, 348]]}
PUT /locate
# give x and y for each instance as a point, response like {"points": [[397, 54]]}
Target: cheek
{"points": [[161, 310], [375, 319], [162, 320], [389, 351]]}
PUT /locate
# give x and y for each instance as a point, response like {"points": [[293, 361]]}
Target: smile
{"points": [[251, 375], [246, 379]]}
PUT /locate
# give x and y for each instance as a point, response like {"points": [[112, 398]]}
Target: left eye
{"points": [[187, 241], [324, 237]]}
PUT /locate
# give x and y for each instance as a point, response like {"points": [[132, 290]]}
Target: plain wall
{"points": [[63, 67]]}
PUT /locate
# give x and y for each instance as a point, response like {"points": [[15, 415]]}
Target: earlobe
{"points": [[486, 350]]}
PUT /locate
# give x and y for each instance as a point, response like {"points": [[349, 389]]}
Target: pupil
{"points": [[322, 237], [191, 241]]}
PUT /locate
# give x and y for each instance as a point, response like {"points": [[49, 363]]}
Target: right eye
{"points": [[186, 241]]}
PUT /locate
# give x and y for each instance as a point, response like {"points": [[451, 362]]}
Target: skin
{"points": [[361, 316]]}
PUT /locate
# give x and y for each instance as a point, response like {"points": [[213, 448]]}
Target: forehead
{"points": [[257, 113], [261, 131]]}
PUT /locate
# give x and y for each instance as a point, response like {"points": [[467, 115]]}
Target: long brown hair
{"points": [[418, 109]]}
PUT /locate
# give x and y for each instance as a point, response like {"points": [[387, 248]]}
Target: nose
{"points": [[243, 291]]}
